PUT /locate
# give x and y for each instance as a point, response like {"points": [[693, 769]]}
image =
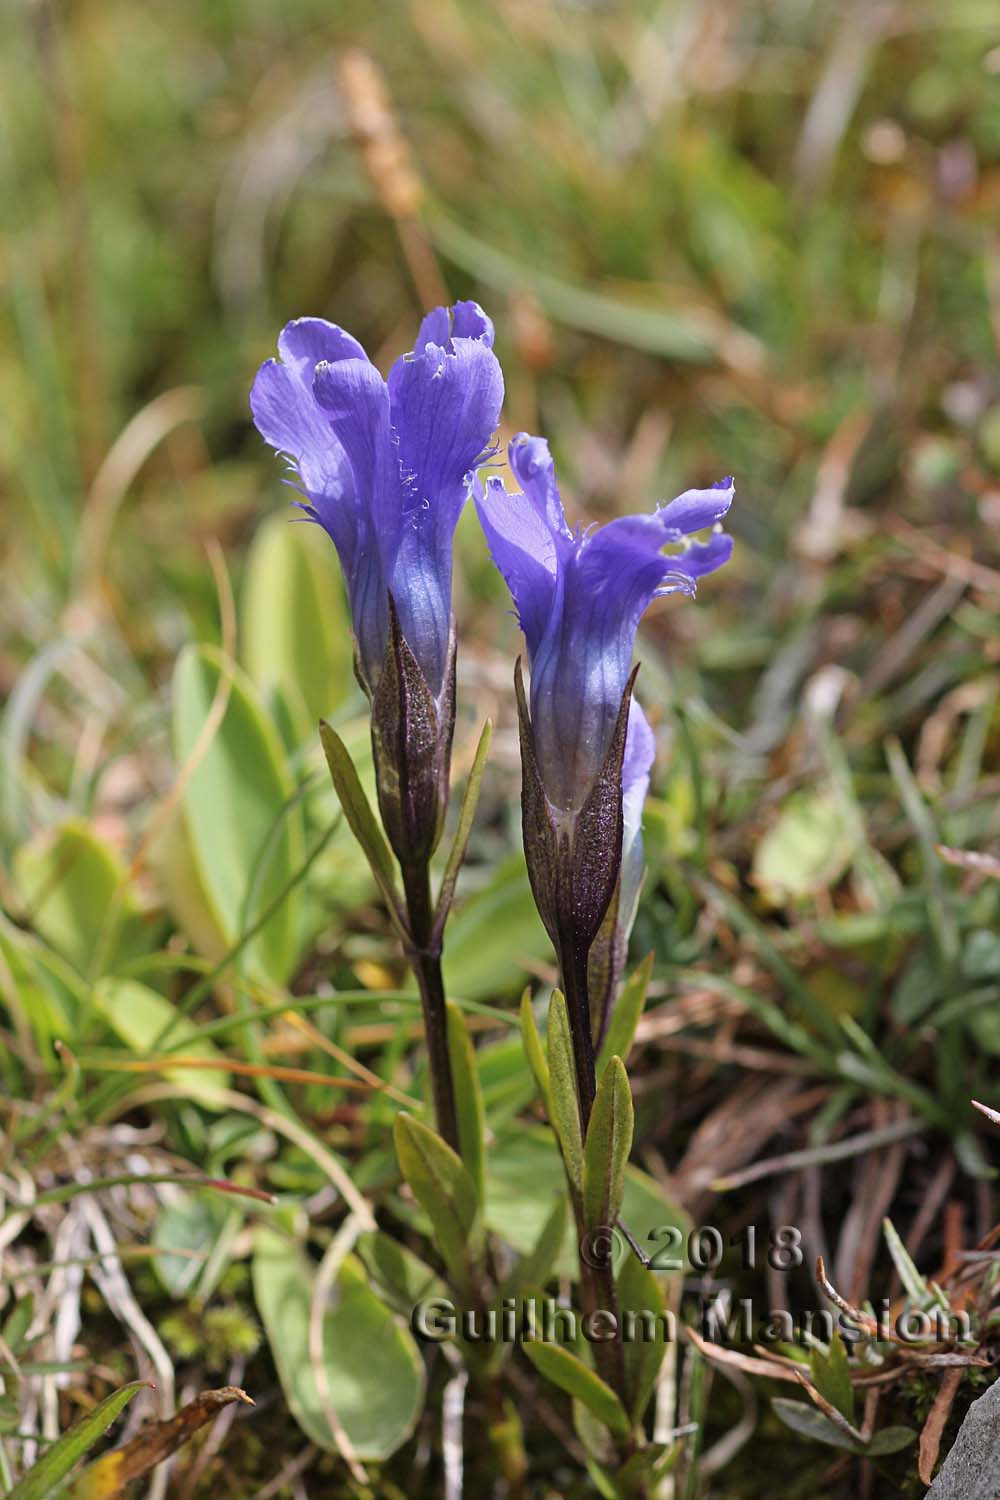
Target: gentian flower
{"points": [[385, 467], [579, 598]]}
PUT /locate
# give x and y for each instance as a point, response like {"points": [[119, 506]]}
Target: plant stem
{"points": [[597, 1282], [573, 969], [424, 953]]}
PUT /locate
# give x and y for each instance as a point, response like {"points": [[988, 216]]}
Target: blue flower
{"points": [[385, 466], [579, 598]]}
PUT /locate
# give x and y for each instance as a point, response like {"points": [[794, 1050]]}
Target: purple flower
{"points": [[580, 596], [586, 749], [385, 466]]}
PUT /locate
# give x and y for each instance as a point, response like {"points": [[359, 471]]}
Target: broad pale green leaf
{"points": [[609, 1141], [640, 1298], [535, 1268], [563, 1100], [295, 628], [55, 1463], [245, 844], [571, 1375], [67, 878], [468, 1097], [188, 1226], [401, 1276], [492, 934], [625, 1015], [524, 1176], [806, 850], [445, 1191], [138, 1015], [373, 1369]]}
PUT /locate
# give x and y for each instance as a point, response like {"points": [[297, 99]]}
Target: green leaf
{"points": [[625, 1015], [492, 934], [889, 1440], [444, 1190], [641, 1295], [809, 1422], [402, 1277], [535, 1268], [358, 812], [913, 1283], [468, 1097], [831, 1376], [460, 842], [70, 881], [373, 1369], [189, 1226], [571, 1375], [524, 1177], [806, 850], [609, 1141], [565, 1117], [40, 1481], [534, 1051], [245, 845], [295, 628], [138, 1015]]}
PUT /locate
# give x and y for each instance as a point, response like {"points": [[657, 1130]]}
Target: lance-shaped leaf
{"points": [[358, 812], [55, 1463], [625, 1015], [534, 1051], [110, 1475], [563, 1097], [468, 1097], [445, 1191], [609, 1141], [535, 1268], [412, 739], [571, 1375], [640, 1299], [461, 840]]}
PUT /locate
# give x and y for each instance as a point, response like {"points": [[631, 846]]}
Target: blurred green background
{"points": [[716, 237]]}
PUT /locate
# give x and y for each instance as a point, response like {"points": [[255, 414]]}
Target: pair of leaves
{"points": [[595, 1167], [240, 839], [445, 1190]]}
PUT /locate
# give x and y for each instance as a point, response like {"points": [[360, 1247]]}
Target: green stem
{"points": [[424, 953]]}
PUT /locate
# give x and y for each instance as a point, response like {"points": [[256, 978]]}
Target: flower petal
{"points": [[445, 404], [524, 550], [697, 509], [466, 320], [355, 402]]}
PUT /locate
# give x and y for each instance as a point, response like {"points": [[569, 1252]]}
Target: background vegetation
{"points": [[715, 237]]}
